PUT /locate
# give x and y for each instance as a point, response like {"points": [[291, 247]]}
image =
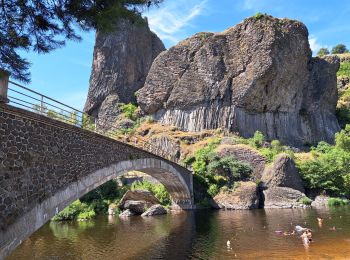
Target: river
{"points": [[194, 235]]}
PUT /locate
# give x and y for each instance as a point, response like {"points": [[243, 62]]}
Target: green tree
{"points": [[322, 52], [44, 25], [339, 49]]}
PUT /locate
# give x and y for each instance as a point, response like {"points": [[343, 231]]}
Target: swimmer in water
{"points": [[320, 221], [305, 238], [228, 244]]}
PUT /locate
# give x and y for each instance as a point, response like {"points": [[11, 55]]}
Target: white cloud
{"points": [[171, 20], [315, 45]]}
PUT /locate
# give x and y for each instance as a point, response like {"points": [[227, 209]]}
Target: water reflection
{"points": [[262, 234]]}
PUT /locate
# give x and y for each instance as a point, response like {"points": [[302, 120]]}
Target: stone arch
{"points": [[180, 190]]}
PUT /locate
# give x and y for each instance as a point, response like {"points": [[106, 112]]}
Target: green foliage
{"points": [[330, 168], [92, 203], [213, 190], [213, 172], [129, 110], [259, 16], [322, 52], [257, 140], [107, 191], [342, 139], [230, 168], [158, 190], [85, 215], [339, 49], [73, 211], [305, 201], [333, 202], [43, 26], [344, 69]]}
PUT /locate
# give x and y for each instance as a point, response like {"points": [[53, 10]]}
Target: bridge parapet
{"points": [[46, 164]]}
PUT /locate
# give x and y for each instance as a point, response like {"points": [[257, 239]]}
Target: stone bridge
{"points": [[46, 164]]}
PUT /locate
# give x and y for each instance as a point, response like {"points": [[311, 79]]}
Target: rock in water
{"points": [[144, 196], [245, 196], [127, 213], [257, 75], [283, 173], [154, 210], [282, 197], [121, 61]]}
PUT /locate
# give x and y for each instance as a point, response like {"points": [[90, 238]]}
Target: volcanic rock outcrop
{"points": [[121, 62], [257, 75]]}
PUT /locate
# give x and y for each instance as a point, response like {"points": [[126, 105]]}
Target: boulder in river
{"points": [[127, 213], [154, 210], [282, 197], [245, 196], [283, 173], [138, 195]]}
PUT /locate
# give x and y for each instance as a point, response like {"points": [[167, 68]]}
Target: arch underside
{"points": [[180, 191]]}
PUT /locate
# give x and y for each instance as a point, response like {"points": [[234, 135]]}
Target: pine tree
{"points": [[44, 25]]}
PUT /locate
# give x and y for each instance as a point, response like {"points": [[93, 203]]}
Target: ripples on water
{"points": [[194, 235]]}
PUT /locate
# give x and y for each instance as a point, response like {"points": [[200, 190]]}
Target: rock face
{"points": [[283, 173], [138, 201], [257, 75], [245, 196], [154, 210], [320, 201], [282, 197], [283, 182], [246, 154], [121, 62]]}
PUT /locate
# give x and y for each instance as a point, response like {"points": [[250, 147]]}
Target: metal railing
{"points": [[31, 100]]}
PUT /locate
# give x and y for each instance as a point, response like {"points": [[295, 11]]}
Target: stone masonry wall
{"points": [[40, 156]]}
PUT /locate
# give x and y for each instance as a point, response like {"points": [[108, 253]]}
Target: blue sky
{"points": [[64, 74]]}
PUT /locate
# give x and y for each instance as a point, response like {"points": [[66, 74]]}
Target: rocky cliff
{"points": [[121, 62], [257, 75]]}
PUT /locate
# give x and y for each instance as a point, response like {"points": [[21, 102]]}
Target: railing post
{"points": [[4, 85]]}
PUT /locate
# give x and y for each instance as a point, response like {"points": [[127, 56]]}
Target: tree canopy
{"points": [[323, 52], [44, 25], [339, 49]]}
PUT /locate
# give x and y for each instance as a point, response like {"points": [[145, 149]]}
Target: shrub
{"points": [[73, 211], [305, 201], [322, 52], [86, 215], [342, 139], [158, 190], [332, 202], [329, 167], [259, 16], [257, 140], [213, 190], [129, 110]]}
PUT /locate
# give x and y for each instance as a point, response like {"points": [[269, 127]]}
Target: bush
{"points": [[158, 190], [330, 167], [213, 190], [333, 202], [342, 139], [73, 211], [305, 201], [85, 215], [323, 52], [129, 110], [257, 140]]}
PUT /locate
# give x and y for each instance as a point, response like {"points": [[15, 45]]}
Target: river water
{"points": [[195, 235]]}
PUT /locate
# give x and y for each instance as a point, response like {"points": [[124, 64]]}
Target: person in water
{"points": [[320, 221]]}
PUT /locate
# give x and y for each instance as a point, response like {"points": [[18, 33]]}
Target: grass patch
{"points": [[335, 202]]}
